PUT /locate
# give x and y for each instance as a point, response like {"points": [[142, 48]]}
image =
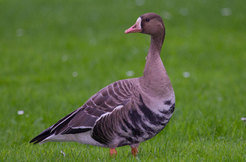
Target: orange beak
{"points": [[136, 28]]}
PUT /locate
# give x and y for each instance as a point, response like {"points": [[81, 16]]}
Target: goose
{"points": [[126, 112]]}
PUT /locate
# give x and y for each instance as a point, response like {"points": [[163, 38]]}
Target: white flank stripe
{"points": [[81, 127], [116, 108]]}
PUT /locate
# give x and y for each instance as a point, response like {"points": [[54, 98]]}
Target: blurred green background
{"points": [[55, 54]]}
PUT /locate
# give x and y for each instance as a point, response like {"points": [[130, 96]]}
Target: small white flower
{"points": [[140, 2], [166, 15], [93, 41], [183, 11], [243, 119], [130, 73], [63, 153], [19, 32], [20, 112], [134, 50], [186, 74], [219, 99], [64, 58], [225, 12], [75, 74]]}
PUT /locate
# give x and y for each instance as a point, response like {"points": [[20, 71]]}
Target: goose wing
{"points": [[83, 119]]}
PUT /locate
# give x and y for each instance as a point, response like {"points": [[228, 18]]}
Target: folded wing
{"points": [[84, 118]]}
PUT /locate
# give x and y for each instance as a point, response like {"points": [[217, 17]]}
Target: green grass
{"points": [[43, 42]]}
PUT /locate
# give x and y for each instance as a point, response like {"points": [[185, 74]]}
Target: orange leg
{"points": [[112, 152], [134, 150]]}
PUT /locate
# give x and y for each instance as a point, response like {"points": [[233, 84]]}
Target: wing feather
{"points": [[105, 101]]}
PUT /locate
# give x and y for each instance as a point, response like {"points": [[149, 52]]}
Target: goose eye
{"points": [[147, 20]]}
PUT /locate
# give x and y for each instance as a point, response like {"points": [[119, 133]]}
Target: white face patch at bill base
{"points": [[138, 23], [136, 28]]}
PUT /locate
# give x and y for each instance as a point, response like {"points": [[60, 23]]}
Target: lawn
{"points": [[55, 54]]}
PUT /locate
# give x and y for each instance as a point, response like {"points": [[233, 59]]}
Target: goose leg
{"points": [[134, 149], [112, 152]]}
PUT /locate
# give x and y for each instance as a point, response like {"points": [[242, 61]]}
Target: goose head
{"points": [[149, 23]]}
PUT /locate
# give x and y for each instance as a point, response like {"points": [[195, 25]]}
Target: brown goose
{"points": [[126, 112]]}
